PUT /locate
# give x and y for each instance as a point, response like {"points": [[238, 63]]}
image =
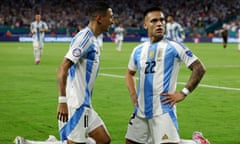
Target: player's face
{"points": [[155, 25], [107, 20], [169, 18], [38, 17]]}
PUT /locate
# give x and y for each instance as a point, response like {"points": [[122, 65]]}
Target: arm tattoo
{"points": [[198, 70]]}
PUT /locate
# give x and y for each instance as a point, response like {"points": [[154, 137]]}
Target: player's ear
{"points": [[99, 18], [145, 26]]}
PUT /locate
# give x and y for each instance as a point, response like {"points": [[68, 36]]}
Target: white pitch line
{"points": [[113, 68], [215, 87], [181, 83]]}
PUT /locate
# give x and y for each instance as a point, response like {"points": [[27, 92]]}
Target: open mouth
{"points": [[159, 30]]}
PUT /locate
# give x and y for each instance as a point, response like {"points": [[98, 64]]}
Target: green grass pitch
{"points": [[28, 93]]}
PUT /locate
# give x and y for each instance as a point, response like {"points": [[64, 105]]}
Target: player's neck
{"points": [[94, 29], [155, 39]]}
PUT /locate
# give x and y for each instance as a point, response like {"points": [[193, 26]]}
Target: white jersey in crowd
{"points": [[173, 31], [84, 52], [119, 31], [35, 27], [157, 65]]}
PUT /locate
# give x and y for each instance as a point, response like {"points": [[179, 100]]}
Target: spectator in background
{"points": [[38, 29], [58, 13], [8, 34], [78, 29]]}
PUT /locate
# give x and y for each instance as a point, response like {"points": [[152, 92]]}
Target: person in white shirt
{"points": [[119, 36], [76, 77], [38, 29], [157, 62], [174, 30]]}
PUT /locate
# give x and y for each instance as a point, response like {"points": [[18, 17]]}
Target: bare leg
{"points": [[100, 135]]}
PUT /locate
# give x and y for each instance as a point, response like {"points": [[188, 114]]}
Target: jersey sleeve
{"points": [[184, 54], [45, 26], [78, 47], [180, 27], [131, 64], [32, 27], [134, 58]]}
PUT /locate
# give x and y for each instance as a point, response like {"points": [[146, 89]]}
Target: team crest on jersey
{"points": [[151, 54], [159, 56], [189, 53], [76, 52], [165, 137]]}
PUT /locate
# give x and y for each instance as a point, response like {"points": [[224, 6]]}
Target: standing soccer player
{"points": [[224, 35], [157, 62], [119, 36], [76, 77], [38, 29], [174, 30]]}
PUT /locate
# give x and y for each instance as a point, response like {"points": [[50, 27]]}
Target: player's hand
{"points": [[41, 30], [62, 113], [135, 101], [172, 98], [183, 37]]}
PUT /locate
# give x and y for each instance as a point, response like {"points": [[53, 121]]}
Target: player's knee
{"points": [[107, 140]]}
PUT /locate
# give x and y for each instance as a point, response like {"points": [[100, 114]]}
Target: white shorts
{"points": [[159, 129], [119, 38], [38, 44], [81, 122]]}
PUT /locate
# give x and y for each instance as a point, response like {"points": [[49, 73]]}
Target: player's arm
{"points": [[32, 29], [182, 33], [45, 28], [198, 71], [130, 81], [62, 73], [62, 76]]}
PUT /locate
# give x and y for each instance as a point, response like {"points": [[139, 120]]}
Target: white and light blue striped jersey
{"points": [[119, 33], [35, 27], [173, 31], [157, 65], [84, 52]]}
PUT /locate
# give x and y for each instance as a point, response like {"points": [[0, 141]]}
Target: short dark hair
{"points": [[170, 15], [97, 7], [151, 9], [37, 12]]}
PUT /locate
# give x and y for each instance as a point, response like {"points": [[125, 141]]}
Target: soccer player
{"points": [[157, 62], [224, 35], [38, 29], [174, 30], [119, 36], [76, 77]]}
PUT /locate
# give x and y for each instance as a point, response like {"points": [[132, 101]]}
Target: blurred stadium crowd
{"points": [[196, 16]]}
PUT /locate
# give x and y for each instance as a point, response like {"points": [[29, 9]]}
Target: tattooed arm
{"points": [[198, 71]]}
